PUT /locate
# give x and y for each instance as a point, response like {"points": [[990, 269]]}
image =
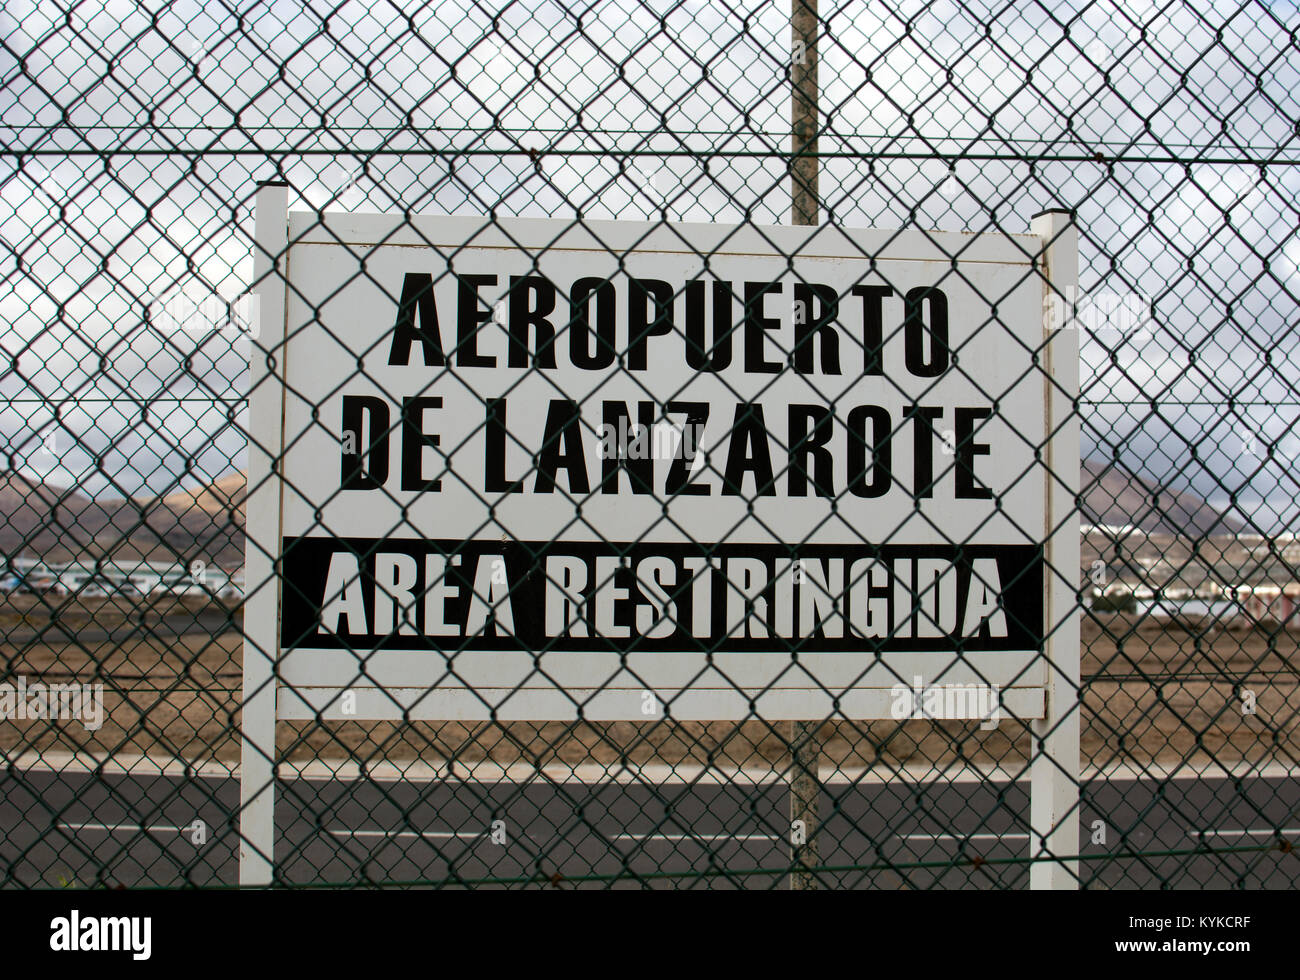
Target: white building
{"points": [[114, 576]]}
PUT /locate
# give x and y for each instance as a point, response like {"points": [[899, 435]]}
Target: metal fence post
{"points": [[805, 204]]}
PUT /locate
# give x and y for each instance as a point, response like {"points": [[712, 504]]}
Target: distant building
{"points": [[1269, 603], [115, 576]]}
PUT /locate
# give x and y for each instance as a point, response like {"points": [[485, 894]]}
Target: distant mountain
{"points": [[207, 522], [218, 498], [204, 523], [45, 518], [1114, 495]]}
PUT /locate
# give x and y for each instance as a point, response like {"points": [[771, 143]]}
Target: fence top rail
{"points": [[687, 238]]}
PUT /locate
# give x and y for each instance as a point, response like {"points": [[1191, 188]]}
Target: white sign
{"points": [[543, 470], [540, 469]]}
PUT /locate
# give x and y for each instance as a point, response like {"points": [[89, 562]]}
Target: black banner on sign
{"points": [[413, 594]]}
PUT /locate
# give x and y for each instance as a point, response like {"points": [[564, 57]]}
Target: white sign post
{"points": [[533, 469], [1054, 757]]}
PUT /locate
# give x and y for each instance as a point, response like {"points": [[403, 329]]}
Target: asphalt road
{"points": [[215, 622], [140, 830]]}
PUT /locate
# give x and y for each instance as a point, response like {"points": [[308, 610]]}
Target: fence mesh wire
{"points": [[133, 139]]}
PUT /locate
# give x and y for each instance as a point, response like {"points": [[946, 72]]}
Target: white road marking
{"points": [[699, 837], [1255, 832], [436, 834], [114, 827], [1017, 835], [466, 835], [654, 774], [710, 838]]}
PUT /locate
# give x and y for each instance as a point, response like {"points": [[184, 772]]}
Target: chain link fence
{"points": [[134, 140]]}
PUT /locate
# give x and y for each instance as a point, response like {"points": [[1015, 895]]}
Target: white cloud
{"points": [[711, 79]]}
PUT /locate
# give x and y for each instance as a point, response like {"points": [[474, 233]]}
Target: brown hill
{"points": [[218, 497], [42, 519], [207, 522], [1116, 496], [202, 523]]}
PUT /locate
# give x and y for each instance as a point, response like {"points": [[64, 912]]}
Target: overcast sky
{"points": [[351, 99]]}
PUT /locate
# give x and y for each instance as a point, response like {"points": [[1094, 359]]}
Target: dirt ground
{"points": [[1168, 695], [23, 612]]}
